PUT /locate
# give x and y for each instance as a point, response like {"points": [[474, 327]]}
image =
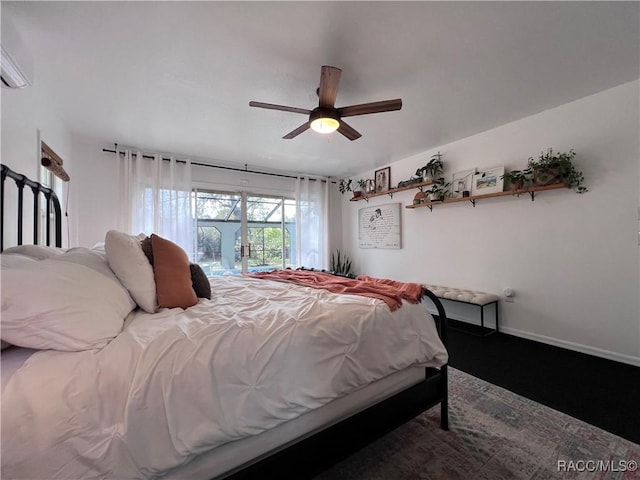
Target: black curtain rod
{"points": [[245, 170]]}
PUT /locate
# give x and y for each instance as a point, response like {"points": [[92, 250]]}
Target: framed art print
{"points": [[379, 226], [383, 179], [461, 182], [488, 181]]}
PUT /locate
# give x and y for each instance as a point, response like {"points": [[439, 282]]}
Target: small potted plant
{"points": [[431, 170], [412, 181], [340, 263], [440, 190], [552, 167], [344, 185], [518, 179], [359, 188]]}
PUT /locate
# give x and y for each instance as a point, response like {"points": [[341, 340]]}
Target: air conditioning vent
{"points": [[11, 74]]}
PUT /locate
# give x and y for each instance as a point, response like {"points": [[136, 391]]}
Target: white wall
{"points": [[573, 260], [27, 119], [97, 190]]}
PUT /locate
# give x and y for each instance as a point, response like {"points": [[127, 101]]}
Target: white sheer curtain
{"points": [[312, 207], [155, 197]]}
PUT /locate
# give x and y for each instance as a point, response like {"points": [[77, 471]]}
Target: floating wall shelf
{"points": [[531, 191], [391, 191]]}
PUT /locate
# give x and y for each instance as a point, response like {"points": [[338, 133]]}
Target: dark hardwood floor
{"points": [[601, 392]]}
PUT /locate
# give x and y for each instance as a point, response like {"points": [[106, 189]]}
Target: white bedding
{"points": [[233, 456], [12, 360], [178, 383]]}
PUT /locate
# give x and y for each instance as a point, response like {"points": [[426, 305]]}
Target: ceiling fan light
{"points": [[325, 125], [324, 120]]}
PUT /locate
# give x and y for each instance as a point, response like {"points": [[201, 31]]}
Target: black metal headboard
{"points": [[52, 202]]}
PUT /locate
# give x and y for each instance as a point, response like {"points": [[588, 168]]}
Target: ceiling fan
{"points": [[326, 117]]}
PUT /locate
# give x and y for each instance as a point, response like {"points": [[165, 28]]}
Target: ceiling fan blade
{"points": [[348, 131], [373, 107], [284, 108], [329, 81], [302, 128]]}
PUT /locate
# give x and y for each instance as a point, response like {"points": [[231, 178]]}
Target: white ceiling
{"points": [[178, 76]]}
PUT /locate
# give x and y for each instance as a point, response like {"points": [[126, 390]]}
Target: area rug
{"points": [[494, 435]]}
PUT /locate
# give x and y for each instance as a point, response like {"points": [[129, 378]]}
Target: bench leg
{"points": [[495, 305], [482, 326]]}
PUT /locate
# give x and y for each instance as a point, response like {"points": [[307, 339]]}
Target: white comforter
{"points": [[178, 383]]}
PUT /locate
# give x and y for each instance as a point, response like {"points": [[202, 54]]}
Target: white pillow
{"points": [[15, 260], [37, 252], [130, 264], [69, 302]]}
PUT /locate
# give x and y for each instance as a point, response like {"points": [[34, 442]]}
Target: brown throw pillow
{"points": [[172, 274], [200, 282]]}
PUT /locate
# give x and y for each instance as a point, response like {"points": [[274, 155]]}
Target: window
{"points": [[50, 180], [271, 227], [218, 219]]}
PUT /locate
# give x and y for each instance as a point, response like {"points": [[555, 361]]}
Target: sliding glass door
{"points": [[240, 232], [218, 223]]}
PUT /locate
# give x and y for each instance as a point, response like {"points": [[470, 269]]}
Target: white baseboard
{"points": [[577, 347], [598, 352]]}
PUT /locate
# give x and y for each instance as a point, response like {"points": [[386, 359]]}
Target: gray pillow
{"points": [[200, 282]]}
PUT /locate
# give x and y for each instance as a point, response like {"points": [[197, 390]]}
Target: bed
{"points": [[265, 378]]}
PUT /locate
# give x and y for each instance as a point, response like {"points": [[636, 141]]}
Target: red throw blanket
{"points": [[389, 291]]}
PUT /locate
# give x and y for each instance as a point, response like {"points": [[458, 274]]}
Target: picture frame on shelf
{"points": [[370, 186], [488, 181], [383, 179], [462, 182]]}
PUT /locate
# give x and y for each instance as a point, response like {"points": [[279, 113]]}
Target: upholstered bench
{"points": [[472, 297]]}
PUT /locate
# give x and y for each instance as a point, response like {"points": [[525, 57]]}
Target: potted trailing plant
{"points": [[412, 181], [340, 263], [440, 190], [518, 179], [344, 185], [360, 188], [432, 170], [552, 167]]}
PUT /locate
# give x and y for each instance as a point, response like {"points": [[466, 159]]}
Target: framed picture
{"points": [[461, 182], [488, 181], [379, 226], [383, 179]]}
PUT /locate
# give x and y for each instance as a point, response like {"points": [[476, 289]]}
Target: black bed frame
{"points": [[37, 189], [310, 456]]}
